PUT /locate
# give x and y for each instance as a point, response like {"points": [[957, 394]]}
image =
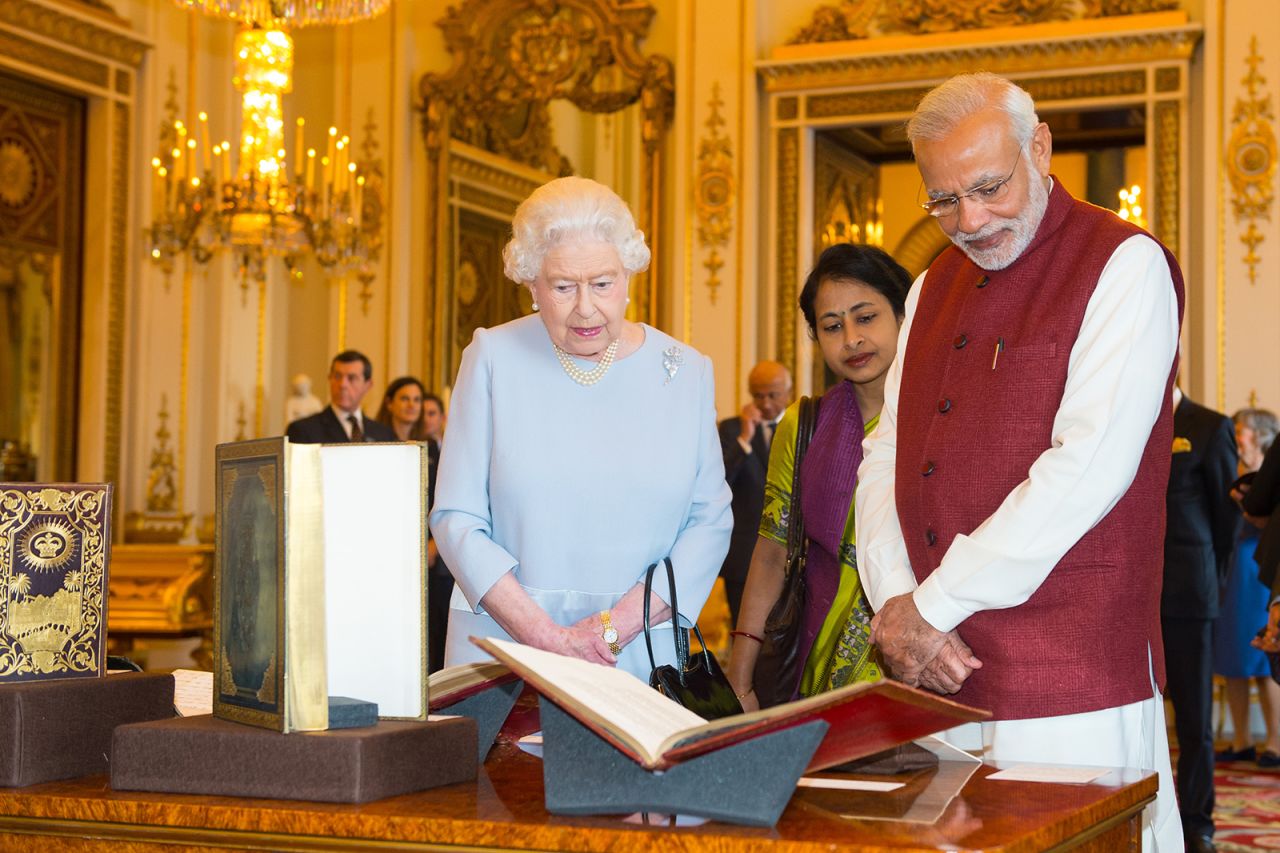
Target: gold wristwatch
{"points": [[610, 633]]}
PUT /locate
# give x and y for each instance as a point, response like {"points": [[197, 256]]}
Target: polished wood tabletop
{"points": [[503, 810]]}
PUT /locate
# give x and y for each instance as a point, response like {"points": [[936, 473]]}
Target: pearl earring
{"points": [[535, 306], [628, 300]]}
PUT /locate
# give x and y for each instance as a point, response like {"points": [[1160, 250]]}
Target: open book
{"points": [[657, 733], [451, 685]]}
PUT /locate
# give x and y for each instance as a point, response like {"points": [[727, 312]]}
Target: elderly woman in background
{"points": [[1244, 611], [582, 448]]}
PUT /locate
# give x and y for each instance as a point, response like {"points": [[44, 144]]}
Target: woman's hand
{"points": [[582, 640]]}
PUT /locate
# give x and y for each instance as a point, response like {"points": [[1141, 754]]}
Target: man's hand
{"points": [[751, 420], [906, 640], [954, 663], [918, 654]]}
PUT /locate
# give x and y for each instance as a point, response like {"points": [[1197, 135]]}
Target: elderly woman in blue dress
{"points": [[582, 447]]}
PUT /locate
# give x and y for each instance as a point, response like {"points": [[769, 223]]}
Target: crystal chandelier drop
{"points": [[274, 14], [1130, 207], [256, 203]]}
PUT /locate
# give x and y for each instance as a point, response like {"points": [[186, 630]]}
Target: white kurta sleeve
{"points": [[883, 565], [703, 541], [1115, 388], [461, 521]]}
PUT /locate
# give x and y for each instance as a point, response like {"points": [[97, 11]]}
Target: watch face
{"points": [[610, 635]]}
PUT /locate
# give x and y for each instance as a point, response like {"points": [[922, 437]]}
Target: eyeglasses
{"points": [[992, 192]]}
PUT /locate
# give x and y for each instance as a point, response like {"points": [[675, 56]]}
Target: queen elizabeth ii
{"points": [[582, 447]]}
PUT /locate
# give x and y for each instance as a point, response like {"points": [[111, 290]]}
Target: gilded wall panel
{"points": [[788, 198]]}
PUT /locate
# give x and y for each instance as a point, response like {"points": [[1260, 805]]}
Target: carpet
{"points": [[1247, 811]]}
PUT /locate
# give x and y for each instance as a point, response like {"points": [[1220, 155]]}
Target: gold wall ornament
{"points": [[860, 19], [511, 58], [1251, 159], [788, 147], [272, 14], [163, 521], [716, 191]]}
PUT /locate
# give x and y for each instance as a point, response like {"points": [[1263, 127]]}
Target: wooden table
{"points": [[503, 810]]}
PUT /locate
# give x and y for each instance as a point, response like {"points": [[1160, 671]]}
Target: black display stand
{"points": [[206, 755], [489, 708], [748, 783], [61, 728]]}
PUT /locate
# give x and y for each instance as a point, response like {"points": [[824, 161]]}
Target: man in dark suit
{"points": [[350, 378], [1200, 533], [745, 442]]}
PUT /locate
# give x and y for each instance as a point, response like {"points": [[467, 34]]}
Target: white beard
{"points": [[1021, 228]]}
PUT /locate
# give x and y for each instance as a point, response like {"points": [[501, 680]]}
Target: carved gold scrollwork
{"points": [[163, 521], [513, 57], [788, 141], [1251, 159], [716, 191], [860, 19]]}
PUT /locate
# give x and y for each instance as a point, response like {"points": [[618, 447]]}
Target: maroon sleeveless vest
{"points": [[968, 435]]}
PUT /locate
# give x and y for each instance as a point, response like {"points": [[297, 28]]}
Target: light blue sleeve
{"points": [[462, 522], [703, 541]]}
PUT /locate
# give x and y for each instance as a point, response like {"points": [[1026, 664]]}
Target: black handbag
{"points": [[778, 666], [695, 682]]}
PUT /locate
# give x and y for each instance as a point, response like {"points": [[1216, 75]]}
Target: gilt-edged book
{"points": [[321, 581], [55, 548], [453, 684], [658, 734]]}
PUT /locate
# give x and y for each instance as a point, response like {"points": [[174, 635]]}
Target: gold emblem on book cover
{"points": [[52, 568]]}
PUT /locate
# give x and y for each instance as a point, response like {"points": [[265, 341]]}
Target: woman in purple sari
{"points": [[853, 301]]}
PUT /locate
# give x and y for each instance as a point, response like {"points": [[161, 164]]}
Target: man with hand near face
{"points": [[745, 441], [1011, 503], [350, 378]]}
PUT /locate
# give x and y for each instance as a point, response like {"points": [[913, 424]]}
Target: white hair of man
{"points": [[569, 209], [1264, 424], [963, 96]]}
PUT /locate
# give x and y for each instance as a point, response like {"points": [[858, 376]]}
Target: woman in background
{"points": [[402, 409], [1244, 611], [853, 302]]}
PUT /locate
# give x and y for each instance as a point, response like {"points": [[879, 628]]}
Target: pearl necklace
{"points": [[595, 374]]}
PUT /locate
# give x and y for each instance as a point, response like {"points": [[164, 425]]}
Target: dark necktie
{"points": [[767, 434], [357, 434]]}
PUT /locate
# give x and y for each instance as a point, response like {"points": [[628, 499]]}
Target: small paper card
{"points": [[1057, 773]]}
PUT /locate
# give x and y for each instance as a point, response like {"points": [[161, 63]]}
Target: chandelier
{"points": [[274, 14], [1130, 207], [253, 201]]}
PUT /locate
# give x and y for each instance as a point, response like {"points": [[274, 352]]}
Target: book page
{"points": [[454, 683], [375, 574], [192, 692], [601, 696]]}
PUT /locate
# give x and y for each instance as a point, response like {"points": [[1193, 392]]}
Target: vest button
{"points": [[982, 282], [930, 538], [960, 341], [926, 469], [944, 406]]}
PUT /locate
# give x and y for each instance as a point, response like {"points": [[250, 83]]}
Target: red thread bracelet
{"points": [[748, 635]]}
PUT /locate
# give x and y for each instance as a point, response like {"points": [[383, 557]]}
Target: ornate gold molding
{"points": [[88, 35], [50, 58], [788, 166], [860, 19], [716, 191], [163, 520], [1168, 159], [1251, 159], [861, 66], [117, 284]]}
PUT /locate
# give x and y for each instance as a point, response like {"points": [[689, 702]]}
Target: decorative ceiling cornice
{"points": [[867, 66], [71, 27]]}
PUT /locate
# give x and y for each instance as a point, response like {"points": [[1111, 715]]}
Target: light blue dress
{"points": [[578, 489]]}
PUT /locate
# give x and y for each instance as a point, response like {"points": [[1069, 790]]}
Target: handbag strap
{"points": [[681, 638], [808, 420]]}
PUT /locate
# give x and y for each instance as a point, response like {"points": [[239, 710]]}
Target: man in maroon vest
{"points": [[1011, 505]]}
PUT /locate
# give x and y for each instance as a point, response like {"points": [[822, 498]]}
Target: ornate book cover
{"points": [[55, 546]]}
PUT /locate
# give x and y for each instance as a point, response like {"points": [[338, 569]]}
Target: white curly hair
{"points": [[566, 209]]}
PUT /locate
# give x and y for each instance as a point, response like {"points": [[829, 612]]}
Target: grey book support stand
{"points": [[748, 783], [489, 708]]}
